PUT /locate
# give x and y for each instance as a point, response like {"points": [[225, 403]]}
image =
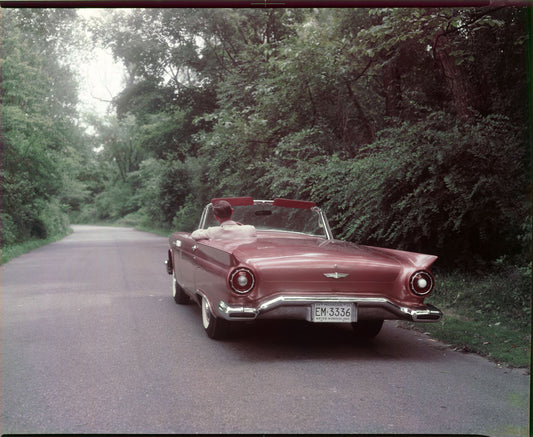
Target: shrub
{"points": [[500, 293], [9, 230], [52, 220], [459, 190], [116, 201], [188, 216]]}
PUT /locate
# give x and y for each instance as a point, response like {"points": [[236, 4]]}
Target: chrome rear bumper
{"points": [[299, 307]]}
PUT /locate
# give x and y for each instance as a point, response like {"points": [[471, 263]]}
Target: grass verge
{"points": [[14, 250], [487, 314], [501, 344]]}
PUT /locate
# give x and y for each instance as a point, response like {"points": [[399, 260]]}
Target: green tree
{"points": [[38, 122], [407, 124]]}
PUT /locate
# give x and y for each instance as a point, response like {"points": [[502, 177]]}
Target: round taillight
{"points": [[421, 283], [242, 281]]}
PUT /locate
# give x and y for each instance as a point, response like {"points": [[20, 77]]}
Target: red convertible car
{"points": [[292, 267]]}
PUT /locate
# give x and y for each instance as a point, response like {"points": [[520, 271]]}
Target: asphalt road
{"points": [[93, 342]]}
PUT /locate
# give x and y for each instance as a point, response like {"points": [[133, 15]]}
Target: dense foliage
{"points": [[41, 153], [409, 126]]}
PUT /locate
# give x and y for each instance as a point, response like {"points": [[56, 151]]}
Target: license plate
{"points": [[333, 312]]}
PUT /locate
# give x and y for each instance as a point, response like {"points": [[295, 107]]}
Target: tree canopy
{"points": [[409, 126], [40, 138]]}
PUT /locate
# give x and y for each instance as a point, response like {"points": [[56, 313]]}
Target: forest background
{"points": [[410, 127]]}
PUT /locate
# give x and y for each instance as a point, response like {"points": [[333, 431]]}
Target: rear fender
{"points": [[419, 261], [412, 262]]}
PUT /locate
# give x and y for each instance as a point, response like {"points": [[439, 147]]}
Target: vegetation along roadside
{"points": [[488, 314], [15, 250], [379, 115]]}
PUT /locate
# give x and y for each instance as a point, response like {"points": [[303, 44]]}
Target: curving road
{"points": [[92, 342]]}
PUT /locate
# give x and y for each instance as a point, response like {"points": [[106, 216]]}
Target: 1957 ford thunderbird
{"points": [[294, 268]]}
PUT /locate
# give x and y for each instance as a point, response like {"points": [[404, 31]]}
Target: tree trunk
{"points": [[393, 91], [366, 130], [456, 84]]}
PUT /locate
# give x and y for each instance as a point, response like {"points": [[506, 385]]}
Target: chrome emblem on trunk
{"points": [[336, 274]]}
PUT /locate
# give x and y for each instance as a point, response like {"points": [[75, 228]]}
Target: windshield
{"points": [[267, 217]]}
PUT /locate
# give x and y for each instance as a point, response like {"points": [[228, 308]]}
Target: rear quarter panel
{"points": [[212, 270], [181, 251], [200, 266], [411, 262]]}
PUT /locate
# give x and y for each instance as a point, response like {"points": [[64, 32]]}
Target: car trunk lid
{"points": [[304, 265]]}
